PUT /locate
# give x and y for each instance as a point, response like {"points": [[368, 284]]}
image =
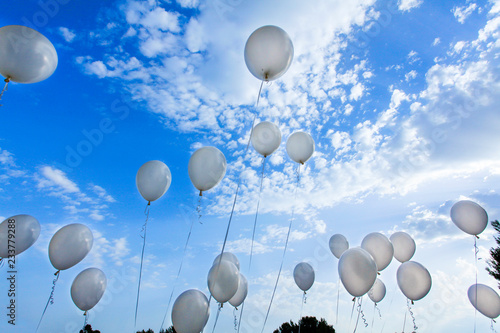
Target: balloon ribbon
{"points": [[304, 298], [415, 327], [144, 229], [284, 250], [257, 212], [178, 273], [217, 317], [51, 298], [241, 315], [7, 80]]}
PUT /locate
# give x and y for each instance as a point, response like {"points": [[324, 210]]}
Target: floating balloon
{"points": [[485, 300], [357, 271], [241, 293], [223, 281], [88, 288], [24, 231], [469, 217], [206, 168], [190, 312], [377, 292], [153, 180], [303, 274], [268, 53], [380, 248], [229, 257], [70, 245], [266, 138], [414, 280], [300, 147], [26, 56], [404, 246], [338, 245]]}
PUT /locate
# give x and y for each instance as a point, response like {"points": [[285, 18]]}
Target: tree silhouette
{"points": [[307, 325], [88, 329], [494, 263]]}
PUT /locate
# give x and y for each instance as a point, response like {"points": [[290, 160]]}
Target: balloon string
{"points": [[359, 312], [284, 251], [373, 318], [7, 80], [390, 306], [338, 296], [415, 327], [476, 251], [257, 212], [241, 315], [404, 322], [362, 313], [178, 273], [493, 328], [302, 307], [51, 298], [352, 312], [2, 262], [85, 320], [198, 209], [217, 317], [235, 319], [144, 229]]}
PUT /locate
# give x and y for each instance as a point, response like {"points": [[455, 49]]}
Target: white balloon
{"points": [[268, 53], [485, 300], [241, 293], [70, 245], [377, 292], [357, 271], [229, 257], [24, 231], [153, 180], [303, 274], [469, 217], [338, 245], [88, 288], [300, 147], [266, 138], [26, 56], [206, 168], [190, 312], [223, 280], [414, 280], [404, 246], [380, 248]]}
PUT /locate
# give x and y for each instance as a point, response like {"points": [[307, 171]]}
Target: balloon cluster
{"points": [[359, 266], [472, 219]]}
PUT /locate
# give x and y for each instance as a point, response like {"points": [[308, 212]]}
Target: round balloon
{"points": [[223, 281], [485, 300], [206, 168], [414, 280], [241, 293], [26, 56], [404, 246], [300, 147], [380, 248], [24, 229], [70, 245], [357, 271], [377, 292], [190, 312], [266, 138], [303, 274], [338, 245], [153, 180], [268, 53], [229, 257], [469, 217], [88, 288]]}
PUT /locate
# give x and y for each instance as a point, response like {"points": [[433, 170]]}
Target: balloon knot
{"points": [[57, 273], [85, 313], [378, 273], [201, 194], [149, 203], [7, 79], [477, 236], [354, 299], [412, 303], [301, 162]]}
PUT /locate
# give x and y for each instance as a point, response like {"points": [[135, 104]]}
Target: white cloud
{"points": [[462, 13], [67, 34], [55, 178], [436, 41], [407, 5], [410, 75]]}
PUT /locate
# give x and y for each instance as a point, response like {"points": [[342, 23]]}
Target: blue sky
{"points": [[400, 97]]}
